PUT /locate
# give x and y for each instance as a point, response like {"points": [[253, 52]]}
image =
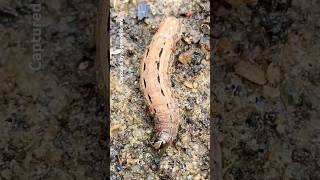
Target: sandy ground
{"points": [[266, 88], [266, 93], [132, 129], [51, 119]]}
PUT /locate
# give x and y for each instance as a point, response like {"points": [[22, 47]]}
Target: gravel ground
{"points": [[132, 129], [265, 92], [51, 119], [266, 88]]}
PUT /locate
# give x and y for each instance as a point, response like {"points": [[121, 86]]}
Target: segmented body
{"points": [[155, 80]]}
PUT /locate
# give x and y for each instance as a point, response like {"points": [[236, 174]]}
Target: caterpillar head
{"points": [[163, 140], [166, 131]]}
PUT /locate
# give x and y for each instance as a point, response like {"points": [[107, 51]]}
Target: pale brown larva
{"points": [[155, 81]]}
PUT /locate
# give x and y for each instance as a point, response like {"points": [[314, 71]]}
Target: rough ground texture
{"points": [[51, 122], [266, 93], [266, 88], [132, 128]]}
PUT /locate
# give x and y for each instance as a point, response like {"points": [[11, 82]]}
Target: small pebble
{"points": [[185, 57], [188, 84], [185, 140], [197, 177], [114, 129], [271, 92], [131, 161], [83, 65], [115, 51], [143, 9], [195, 36], [119, 168], [273, 74], [147, 21], [188, 40], [195, 85], [250, 72], [205, 28]]}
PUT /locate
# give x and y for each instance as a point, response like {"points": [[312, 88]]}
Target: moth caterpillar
{"points": [[155, 81]]}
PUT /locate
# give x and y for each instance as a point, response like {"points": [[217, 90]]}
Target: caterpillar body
{"points": [[155, 81]]}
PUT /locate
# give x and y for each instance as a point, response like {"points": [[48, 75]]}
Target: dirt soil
{"points": [[266, 88], [51, 120], [265, 92], [132, 128]]}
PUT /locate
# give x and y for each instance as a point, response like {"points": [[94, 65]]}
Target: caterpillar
{"points": [[155, 83]]}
